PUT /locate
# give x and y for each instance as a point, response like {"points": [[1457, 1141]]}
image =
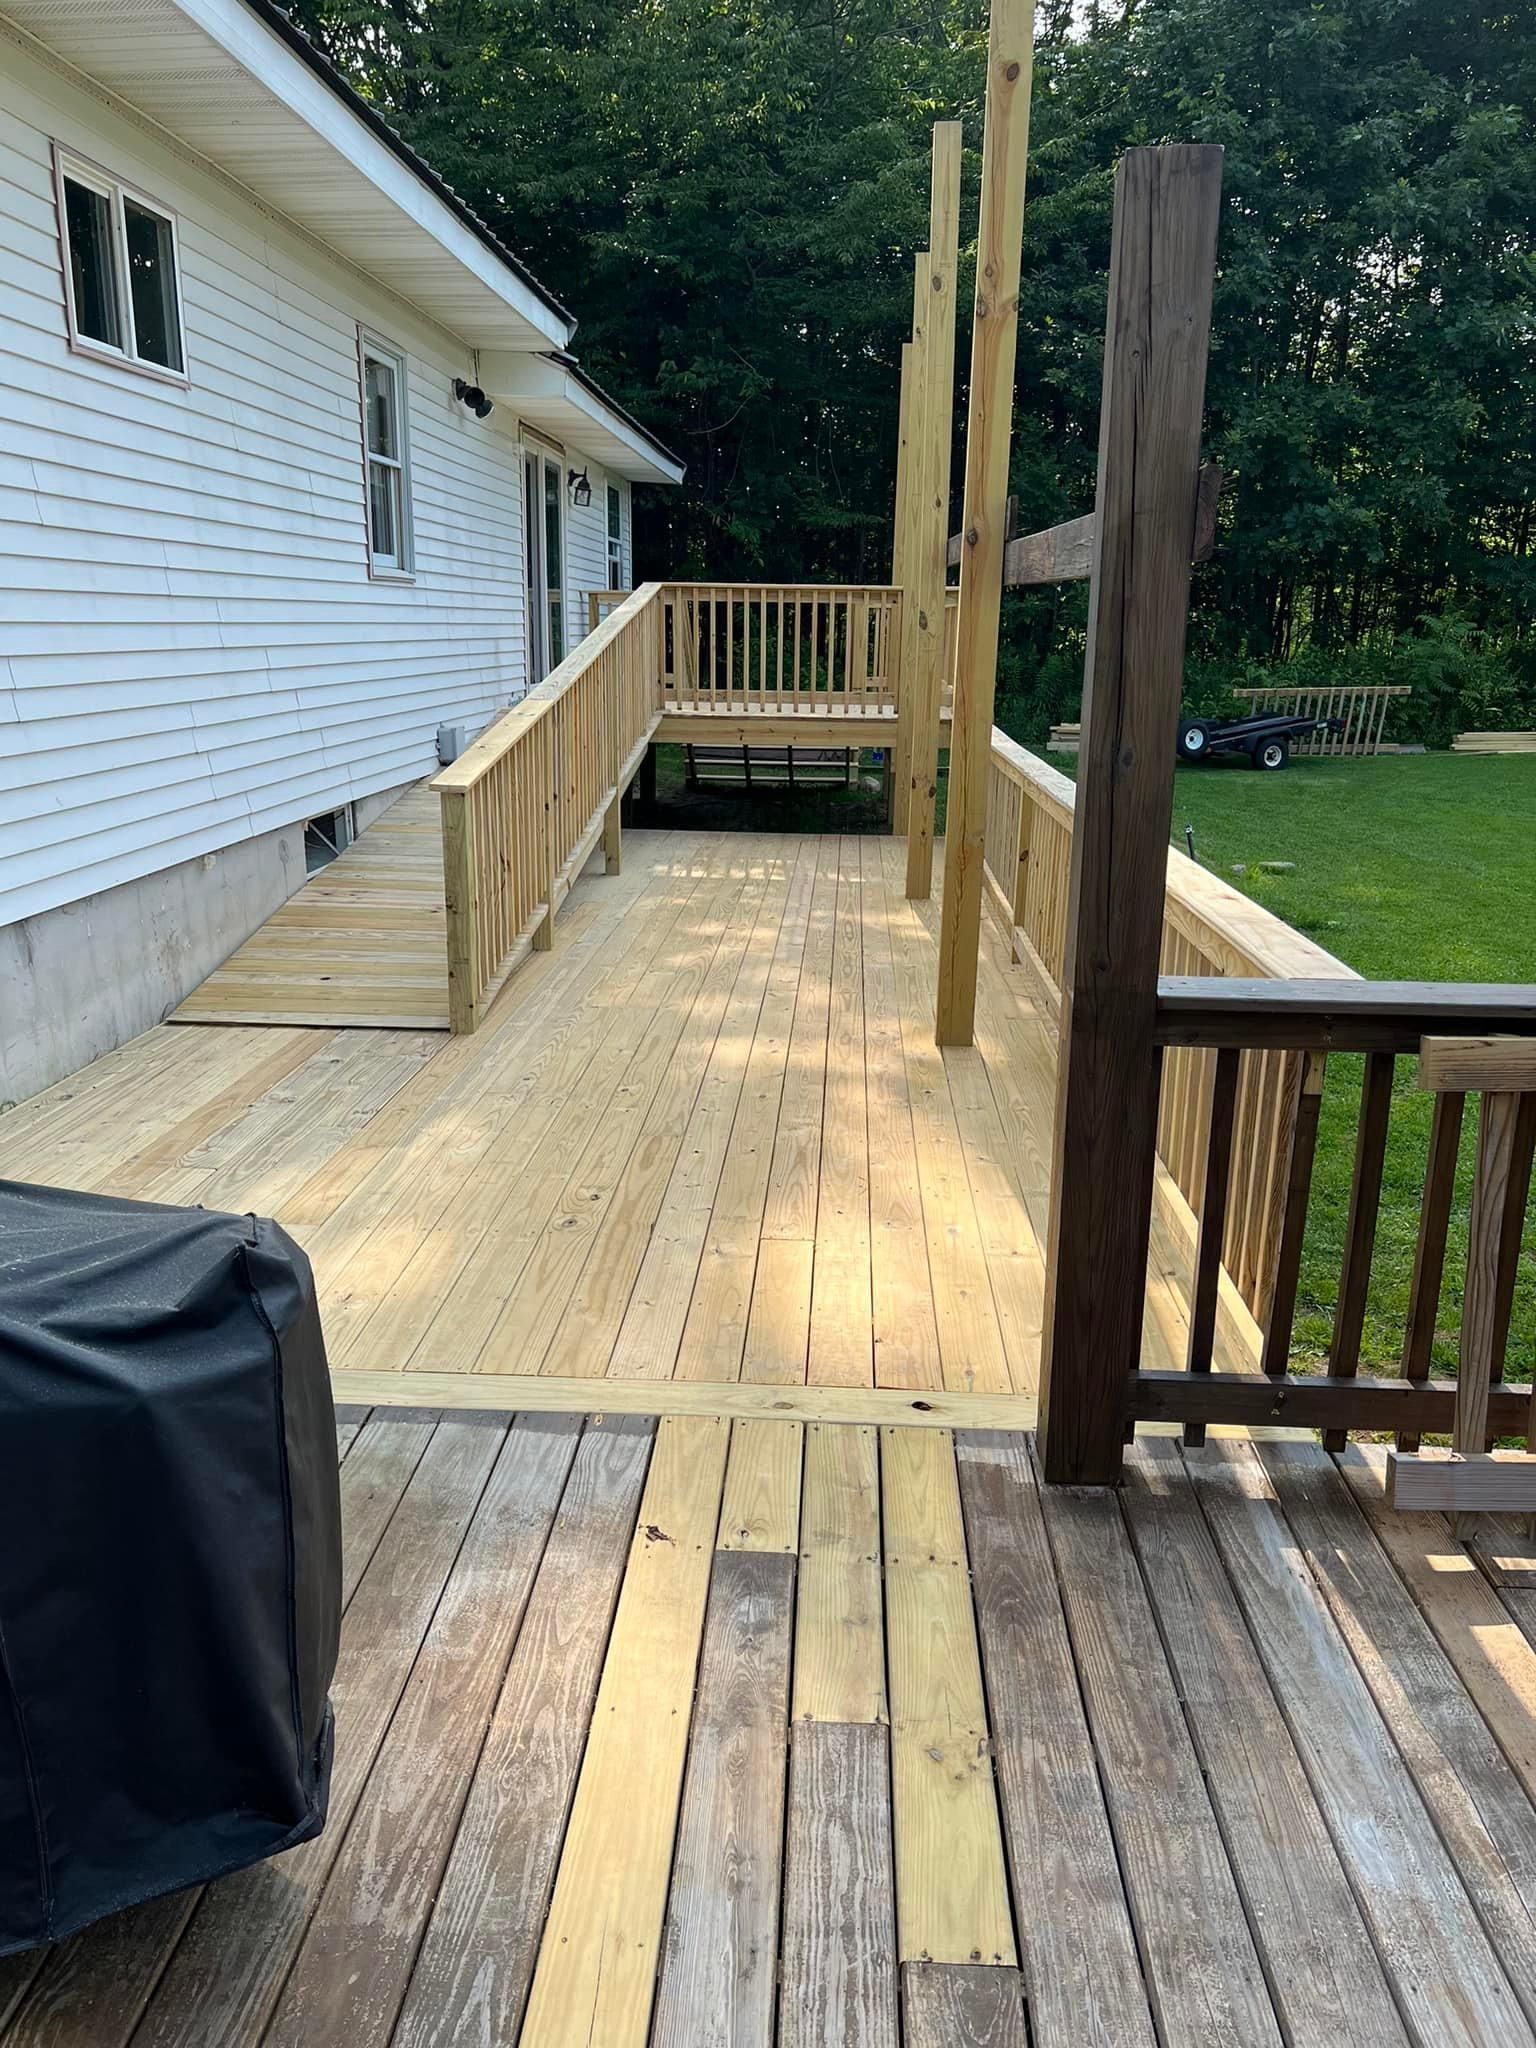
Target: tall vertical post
{"points": [[1005, 152], [925, 564], [906, 618], [1162, 262], [900, 787]]}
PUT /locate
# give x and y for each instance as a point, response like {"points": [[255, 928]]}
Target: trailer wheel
{"points": [[1194, 739], [1271, 755]]}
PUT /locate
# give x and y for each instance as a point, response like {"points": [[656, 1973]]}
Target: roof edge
{"points": [[288, 31], [572, 368]]}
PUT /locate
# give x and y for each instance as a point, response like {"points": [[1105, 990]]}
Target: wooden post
{"points": [[896, 810], [923, 674], [1005, 151], [460, 910], [902, 549], [1162, 263]]}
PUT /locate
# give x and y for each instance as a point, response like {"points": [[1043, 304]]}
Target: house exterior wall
{"points": [[192, 651], [194, 656]]}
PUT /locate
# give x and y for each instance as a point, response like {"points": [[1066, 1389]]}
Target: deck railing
{"points": [[1209, 928], [1362, 707], [782, 648], [526, 804], [1467, 1038]]}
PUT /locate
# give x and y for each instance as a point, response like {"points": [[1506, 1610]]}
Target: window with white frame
{"points": [[387, 456], [121, 269], [615, 538]]}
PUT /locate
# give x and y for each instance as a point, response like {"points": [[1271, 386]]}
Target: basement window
{"points": [[122, 282], [327, 836]]}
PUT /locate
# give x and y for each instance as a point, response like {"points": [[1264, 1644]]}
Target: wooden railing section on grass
{"points": [[796, 648], [1236, 1019], [1208, 928], [526, 804], [1362, 706]]}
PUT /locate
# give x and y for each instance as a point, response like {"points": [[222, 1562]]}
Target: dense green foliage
{"points": [[730, 193], [1431, 862]]}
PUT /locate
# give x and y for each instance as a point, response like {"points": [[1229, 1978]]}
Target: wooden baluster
{"points": [[1213, 1214], [1429, 1253], [1281, 1313], [1360, 1232]]}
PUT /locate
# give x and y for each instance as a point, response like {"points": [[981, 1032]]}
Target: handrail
{"points": [[1209, 928], [1323, 1016], [789, 648], [524, 806]]}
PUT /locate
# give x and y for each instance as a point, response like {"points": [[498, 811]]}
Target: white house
{"points": [[296, 469]]}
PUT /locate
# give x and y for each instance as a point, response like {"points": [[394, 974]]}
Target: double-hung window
{"points": [[615, 538], [386, 455], [121, 271]]}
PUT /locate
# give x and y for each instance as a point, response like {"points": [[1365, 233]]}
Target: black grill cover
{"points": [[170, 1553]]}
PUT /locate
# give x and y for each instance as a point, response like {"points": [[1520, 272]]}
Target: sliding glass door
{"points": [[544, 546]]}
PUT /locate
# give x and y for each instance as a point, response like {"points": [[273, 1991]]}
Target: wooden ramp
{"points": [[361, 943], [692, 1733]]}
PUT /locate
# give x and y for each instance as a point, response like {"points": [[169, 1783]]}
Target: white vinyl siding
{"points": [[586, 542], [193, 649]]}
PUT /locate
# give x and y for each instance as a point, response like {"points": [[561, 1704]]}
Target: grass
{"points": [[1408, 867]]}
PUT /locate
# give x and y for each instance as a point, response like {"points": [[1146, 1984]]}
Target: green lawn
{"points": [[1408, 867]]}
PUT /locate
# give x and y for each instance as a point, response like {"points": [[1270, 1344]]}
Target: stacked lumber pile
{"points": [[1065, 739], [1494, 743]]}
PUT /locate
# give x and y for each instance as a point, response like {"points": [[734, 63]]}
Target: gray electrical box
{"points": [[450, 743]]}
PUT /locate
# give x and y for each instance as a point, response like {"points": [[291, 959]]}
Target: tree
{"points": [[731, 192]]}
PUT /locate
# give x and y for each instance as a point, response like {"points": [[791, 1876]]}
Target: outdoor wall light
{"points": [[581, 489], [472, 396]]}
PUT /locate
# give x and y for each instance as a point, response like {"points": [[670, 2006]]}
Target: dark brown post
{"points": [[1162, 263]]}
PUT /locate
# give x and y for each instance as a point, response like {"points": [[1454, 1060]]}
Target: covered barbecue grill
{"points": [[169, 1553]]}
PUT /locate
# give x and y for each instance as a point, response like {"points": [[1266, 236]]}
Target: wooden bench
{"points": [[748, 767]]}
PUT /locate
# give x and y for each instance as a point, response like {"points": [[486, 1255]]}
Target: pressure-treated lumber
{"points": [[994, 340], [1464, 1064], [598, 1961], [1104, 1160], [915, 485], [923, 597], [901, 786], [532, 1393], [717, 1984], [839, 1943], [1491, 1482], [951, 1893], [1304, 1012], [1328, 1991], [477, 1960], [1078, 1952], [1448, 1978]]}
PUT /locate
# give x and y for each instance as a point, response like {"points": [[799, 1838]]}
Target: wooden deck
{"points": [[360, 943], [707, 1138], [682, 1733]]}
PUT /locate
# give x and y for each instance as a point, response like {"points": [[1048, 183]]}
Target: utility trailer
{"points": [[1265, 740]]}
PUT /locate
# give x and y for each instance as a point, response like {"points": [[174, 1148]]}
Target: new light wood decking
{"points": [[361, 943], [708, 1137], [694, 1734]]}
